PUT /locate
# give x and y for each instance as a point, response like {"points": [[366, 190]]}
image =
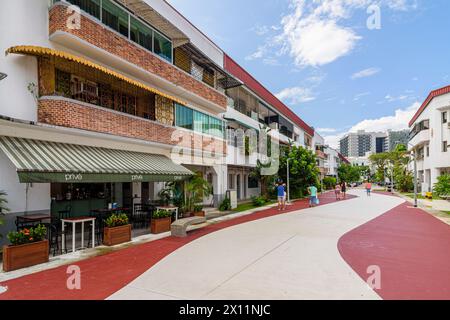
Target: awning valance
{"points": [[41, 161], [42, 51]]}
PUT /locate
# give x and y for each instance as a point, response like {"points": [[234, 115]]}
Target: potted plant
{"points": [[196, 189], [28, 248], [198, 210], [117, 230], [161, 221], [3, 207]]}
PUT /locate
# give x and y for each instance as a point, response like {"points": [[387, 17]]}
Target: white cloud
{"points": [[296, 95], [360, 95], [326, 130], [398, 121], [365, 73], [316, 33]]}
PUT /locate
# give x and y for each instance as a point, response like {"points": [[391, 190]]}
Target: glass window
{"points": [[184, 117], [444, 117], [162, 47], [141, 34], [90, 6], [114, 17], [216, 127], [201, 122]]}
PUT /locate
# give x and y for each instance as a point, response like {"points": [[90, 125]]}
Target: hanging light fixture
{"points": [[2, 76]]}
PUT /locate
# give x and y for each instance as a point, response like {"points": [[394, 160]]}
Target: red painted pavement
{"points": [[101, 276], [412, 249]]}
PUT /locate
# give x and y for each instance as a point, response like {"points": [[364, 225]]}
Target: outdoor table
{"points": [[74, 222], [31, 219], [35, 217], [169, 208]]}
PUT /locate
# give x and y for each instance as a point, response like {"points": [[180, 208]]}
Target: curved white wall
{"points": [[22, 22]]}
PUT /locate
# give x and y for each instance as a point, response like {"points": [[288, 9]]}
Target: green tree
{"points": [[329, 182], [264, 180], [442, 187], [349, 173], [380, 161], [303, 170]]}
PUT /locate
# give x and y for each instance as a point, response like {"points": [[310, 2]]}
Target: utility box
{"points": [[232, 195]]}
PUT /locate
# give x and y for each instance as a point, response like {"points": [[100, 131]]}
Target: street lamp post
{"points": [[287, 178], [413, 153]]}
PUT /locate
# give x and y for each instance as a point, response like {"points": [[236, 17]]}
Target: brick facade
{"points": [[73, 114], [102, 37]]}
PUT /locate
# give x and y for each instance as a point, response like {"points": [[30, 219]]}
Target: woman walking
{"points": [[368, 188], [337, 191], [344, 189]]}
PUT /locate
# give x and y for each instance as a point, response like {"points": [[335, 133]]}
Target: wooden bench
{"points": [[178, 228]]}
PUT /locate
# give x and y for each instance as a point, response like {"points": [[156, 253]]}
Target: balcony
{"points": [[421, 138], [113, 48]]}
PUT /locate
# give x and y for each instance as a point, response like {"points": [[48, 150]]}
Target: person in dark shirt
{"points": [[281, 196]]}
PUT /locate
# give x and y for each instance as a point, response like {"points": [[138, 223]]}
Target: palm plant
{"points": [[196, 188], [3, 208]]}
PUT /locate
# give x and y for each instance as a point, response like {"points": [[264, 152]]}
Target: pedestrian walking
{"points": [[368, 188], [281, 195], [312, 191], [337, 191], [344, 189]]}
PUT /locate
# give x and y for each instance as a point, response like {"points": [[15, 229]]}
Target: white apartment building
{"points": [[430, 138], [332, 162], [321, 156]]}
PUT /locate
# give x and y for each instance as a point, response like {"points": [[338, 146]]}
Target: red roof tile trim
{"points": [[431, 96], [236, 70]]}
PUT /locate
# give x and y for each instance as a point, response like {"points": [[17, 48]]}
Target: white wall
{"points": [[22, 22], [38, 193]]}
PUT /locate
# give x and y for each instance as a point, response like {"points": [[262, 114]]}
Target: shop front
{"points": [[84, 179]]}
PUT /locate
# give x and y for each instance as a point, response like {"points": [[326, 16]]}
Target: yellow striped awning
{"points": [[42, 51], [42, 161]]}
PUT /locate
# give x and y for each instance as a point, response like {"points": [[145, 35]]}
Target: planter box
{"points": [[160, 225], [199, 213], [25, 255], [116, 235]]}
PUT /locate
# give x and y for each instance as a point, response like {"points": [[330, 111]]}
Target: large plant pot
{"points": [[199, 213], [160, 225], [25, 255], [116, 235]]}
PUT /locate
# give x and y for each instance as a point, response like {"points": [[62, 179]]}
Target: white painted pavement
{"points": [[289, 256]]}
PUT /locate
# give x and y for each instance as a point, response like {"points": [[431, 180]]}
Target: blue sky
{"points": [[323, 61]]}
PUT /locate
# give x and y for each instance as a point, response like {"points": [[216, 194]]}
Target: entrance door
{"points": [[238, 186], [127, 196], [245, 186], [145, 193]]}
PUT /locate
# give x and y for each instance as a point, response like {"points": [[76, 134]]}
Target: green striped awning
{"points": [[45, 161]]}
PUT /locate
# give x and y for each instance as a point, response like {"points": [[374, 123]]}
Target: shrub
{"points": [[30, 235], [329, 183], [116, 220], [258, 201], [161, 214], [442, 187], [198, 208], [225, 205]]}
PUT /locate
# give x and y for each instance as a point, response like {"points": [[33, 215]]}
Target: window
{"points": [[141, 34], [444, 146], [252, 182], [216, 127], [428, 151], [114, 17], [90, 6], [444, 117], [162, 47], [184, 117]]}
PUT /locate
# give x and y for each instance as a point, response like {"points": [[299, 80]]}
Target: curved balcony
{"points": [[69, 113], [104, 44], [420, 138]]}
